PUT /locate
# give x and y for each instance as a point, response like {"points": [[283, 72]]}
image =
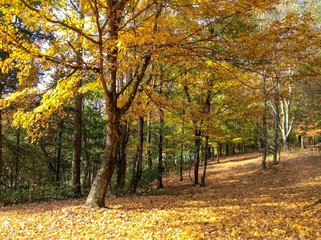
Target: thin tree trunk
{"points": [[264, 125], [257, 145], [182, 150], [149, 141], [138, 168], [206, 155], [227, 150], [197, 149], [87, 167], [122, 158], [59, 153], [160, 150], [181, 163], [302, 142], [219, 151], [76, 163], [1, 143], [17, 159], [276, 126], [207, 151]]}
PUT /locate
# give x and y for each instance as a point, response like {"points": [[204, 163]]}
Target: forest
{"points": [[103, 101]]}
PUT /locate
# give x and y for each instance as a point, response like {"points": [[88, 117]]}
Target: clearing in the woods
{"points": [[240, 201]]}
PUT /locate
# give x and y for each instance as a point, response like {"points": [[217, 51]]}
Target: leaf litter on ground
{"points": [[240, 201]]}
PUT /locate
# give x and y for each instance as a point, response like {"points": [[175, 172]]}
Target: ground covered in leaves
{"points": [[240, 201]]}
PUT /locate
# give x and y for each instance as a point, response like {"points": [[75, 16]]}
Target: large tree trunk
{"points": [[77, 146], [138, 167], [97, 194], [76, 163]]}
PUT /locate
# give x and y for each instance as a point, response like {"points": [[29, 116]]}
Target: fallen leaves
{"points": [[239, 202]]}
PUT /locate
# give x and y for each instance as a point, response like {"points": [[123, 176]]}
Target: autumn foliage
{"points": [[240, 202]]}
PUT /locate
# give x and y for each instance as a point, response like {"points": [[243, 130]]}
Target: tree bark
{"points": [[76, 163], [227, 149], [206, 156], [301, 137], [160, 150], [17, 159], [207, 151], [197, 148], [276, 123], [264, 125], [1, 143], [122, 158], [138, 168], [59, 153], [181, 163], [182, 150], [97, 194], [88, 165], [149, 141]]}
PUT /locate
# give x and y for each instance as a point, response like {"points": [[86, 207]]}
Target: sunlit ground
{"points": [[240, 201]]}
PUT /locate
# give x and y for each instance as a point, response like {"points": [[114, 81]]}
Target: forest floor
{"points": [[240, 201]]}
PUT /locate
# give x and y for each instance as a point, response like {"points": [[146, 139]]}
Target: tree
{"points": [[281, 43], [76, 163], [117, 37]]}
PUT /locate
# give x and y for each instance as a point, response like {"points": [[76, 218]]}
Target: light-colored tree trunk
{"points": [[286, 122]]}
